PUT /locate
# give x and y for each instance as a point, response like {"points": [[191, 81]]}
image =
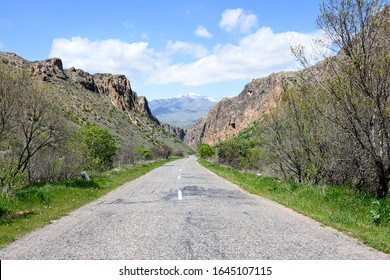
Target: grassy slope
{"points": [[80, 106], [340, 207], [40, 204], [83, 106]]}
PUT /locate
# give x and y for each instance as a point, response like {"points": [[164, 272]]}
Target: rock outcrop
{"points": [[48, 69], [231, 115], [8, 58], [175, 130], [117, 87]]}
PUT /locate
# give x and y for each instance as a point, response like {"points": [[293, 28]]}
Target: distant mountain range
{"points": [[182, 111]]}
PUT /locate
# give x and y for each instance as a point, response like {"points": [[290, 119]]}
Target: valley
{"points": [[315, 139]]}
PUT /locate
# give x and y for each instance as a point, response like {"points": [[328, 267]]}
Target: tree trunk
{"points": [[383, 182]]}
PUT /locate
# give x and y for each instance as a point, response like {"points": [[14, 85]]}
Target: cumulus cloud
{"points": [[238, 20], [194, 50], [255, 55], [110, 55], [202, 32]]}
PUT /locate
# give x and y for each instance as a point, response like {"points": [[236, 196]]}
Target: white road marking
{"points": [[179, 177], [179, 195]]}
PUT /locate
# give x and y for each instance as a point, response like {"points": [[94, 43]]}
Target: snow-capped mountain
{"points": [[182, 110]]}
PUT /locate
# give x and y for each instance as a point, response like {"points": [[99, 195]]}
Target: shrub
{"points": [[162, 152], [142, 153], [229, 153], [205, 151], [100, 147]]}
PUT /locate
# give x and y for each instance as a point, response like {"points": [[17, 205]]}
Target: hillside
{"points": [[182, 111], [104, 99], [230, 115]]}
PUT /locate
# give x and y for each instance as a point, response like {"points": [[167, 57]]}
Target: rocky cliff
{"points": [[231, 115], [117, 87]]}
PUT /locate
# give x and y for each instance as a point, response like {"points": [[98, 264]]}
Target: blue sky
{"points": [[166, 48]]}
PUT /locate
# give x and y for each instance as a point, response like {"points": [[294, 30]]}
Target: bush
{"points": [[205, 151], [100, 147], [229, 153], [125, 155], [142, 153], [162, 152]]}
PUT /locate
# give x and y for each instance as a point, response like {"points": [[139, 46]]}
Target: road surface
{"points": [[183, 211]]}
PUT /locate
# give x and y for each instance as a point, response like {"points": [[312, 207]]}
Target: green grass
{"points": [[346, 209], [41, 203]]}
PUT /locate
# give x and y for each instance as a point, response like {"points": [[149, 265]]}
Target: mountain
{"points": [[104, 99], [182, 111], [230, 115]]}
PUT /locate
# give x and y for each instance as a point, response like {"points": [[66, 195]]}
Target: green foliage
{"points": [[205, 151], [352, 95], [28, 126], [33, 195], [100, 147], [380, 211], [9, 182], [143, 153], [245, 150]]}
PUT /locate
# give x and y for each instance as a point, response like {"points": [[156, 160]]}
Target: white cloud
{"points": [[194, 50], [237, 20], [202, 31], [255, 55], [110, 55]]}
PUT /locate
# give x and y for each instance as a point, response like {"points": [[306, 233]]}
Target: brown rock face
{"points": [[174, 130], [82, 79], [117, 87], [142, 106], [231, 115], [48, 69]]}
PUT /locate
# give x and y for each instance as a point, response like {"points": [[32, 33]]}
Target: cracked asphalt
{"points": [[146, 219]]}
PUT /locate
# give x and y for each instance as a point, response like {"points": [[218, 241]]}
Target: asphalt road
{"points": [[211, 218]]}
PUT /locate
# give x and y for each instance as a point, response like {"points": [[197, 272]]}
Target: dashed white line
{"points": [[179, 195]]}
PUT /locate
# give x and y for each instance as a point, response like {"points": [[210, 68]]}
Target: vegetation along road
{"points": [[183, 211]]}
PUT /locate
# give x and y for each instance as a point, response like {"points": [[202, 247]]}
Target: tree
{"points": [[205, 151], [297, 138], [10, 86], [27, 127], [355, 84], [100, 147], [38, 127]]}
